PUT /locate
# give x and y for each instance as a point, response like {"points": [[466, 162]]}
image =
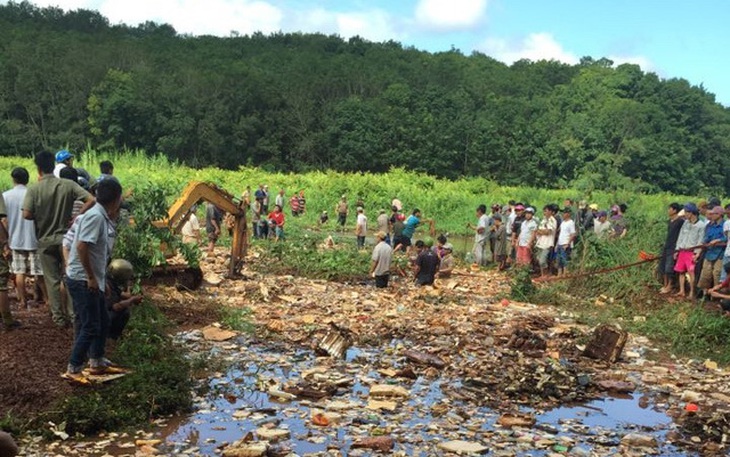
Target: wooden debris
{"points": [[424, 358], [336, 342], [376, 443], [607, 343]]}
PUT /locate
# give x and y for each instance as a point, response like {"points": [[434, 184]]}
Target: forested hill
{"points": [[297, 102]]}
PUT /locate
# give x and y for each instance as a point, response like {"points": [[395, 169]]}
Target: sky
{"points": [[672, 38]]}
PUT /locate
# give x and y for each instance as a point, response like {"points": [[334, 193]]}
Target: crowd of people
{"points": [[514, 234], [60, 231]]}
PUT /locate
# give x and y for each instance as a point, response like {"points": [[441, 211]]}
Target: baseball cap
{"points": [[520, 207], [593, 206], [691, 208], [602, 214], [449, 246], [530, 210], [497, 217]]}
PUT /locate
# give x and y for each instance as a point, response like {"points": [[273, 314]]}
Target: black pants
{"points": [[381, 281]]}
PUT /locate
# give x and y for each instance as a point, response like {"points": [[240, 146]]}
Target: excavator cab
{"points": [[196, 191]]}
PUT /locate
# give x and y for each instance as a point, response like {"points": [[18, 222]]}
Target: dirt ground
{"points": [[33, 356]]}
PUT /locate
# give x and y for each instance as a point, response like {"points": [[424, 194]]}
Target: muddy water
{"points": [[236, 404]]}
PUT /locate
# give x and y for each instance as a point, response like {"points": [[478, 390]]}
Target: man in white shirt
{"points": [[361, 229], [23, 242], [545, 238], [565, 240], [480, 236], [191, 230], [528, 227]]}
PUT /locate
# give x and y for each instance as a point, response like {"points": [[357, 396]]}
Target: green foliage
{"points": [[160, 383], [239, 319], [521, 286], [300, 255], [143, 244], [296, 102]]}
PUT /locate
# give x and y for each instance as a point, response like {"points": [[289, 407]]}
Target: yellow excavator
{"points": [[196, 191]]}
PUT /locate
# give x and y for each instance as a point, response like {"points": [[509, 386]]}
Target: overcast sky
{"points": [[673, 38]]}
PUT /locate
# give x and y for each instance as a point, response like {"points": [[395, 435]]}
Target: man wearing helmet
{"points": [[63, 159], [119, 274]]}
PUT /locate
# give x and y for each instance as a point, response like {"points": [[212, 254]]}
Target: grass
{"points": [[160, 383]]}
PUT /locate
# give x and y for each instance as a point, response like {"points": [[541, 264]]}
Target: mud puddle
{"points": [[247, 399]]}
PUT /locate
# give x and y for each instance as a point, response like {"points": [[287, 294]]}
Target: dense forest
{"points": [[295, 102]]}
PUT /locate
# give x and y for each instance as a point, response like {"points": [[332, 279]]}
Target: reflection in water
{"points": [[236, 405]]}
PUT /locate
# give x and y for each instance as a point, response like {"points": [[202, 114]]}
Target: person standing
{"points": [[566, 237], [666, 262], [501, 240], [384, 225], [265, 201], [726, 255], [277, 222], [714, 242], [191, 229], [409, 228], [23, 242], [526, 238], [546, 231], [302, 202], [380, 266], [426, 265], [86, 281], [280, 199], [49, 204], [7, 316], [294, 205], [63, 159], [213, 220], [361, 227], [480, 236], [688, 248], [601, 226], [256, 211], [341, 210]]}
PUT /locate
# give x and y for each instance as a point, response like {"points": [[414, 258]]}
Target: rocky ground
{"points": [[455, 368]]}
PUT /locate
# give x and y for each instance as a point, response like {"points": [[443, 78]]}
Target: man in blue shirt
{"points": [[86, 280], [413, 221], [714, 241]]}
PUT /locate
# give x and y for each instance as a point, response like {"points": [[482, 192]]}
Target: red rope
{"points": [[616, 268]]}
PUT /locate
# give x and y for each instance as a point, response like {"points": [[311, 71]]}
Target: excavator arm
{"points": [[196, 191]]}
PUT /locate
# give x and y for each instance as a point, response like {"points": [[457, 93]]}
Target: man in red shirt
{"points": [[276, 218]]}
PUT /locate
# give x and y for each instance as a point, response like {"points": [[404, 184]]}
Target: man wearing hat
{"points": [[380, 266], [361, 227], [714, 241], [118, 302]]}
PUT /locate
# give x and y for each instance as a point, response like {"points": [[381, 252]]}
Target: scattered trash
{"points": [[607, 343]]}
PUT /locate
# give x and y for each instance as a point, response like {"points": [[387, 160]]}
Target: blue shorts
{"points": [[563, 256]]}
